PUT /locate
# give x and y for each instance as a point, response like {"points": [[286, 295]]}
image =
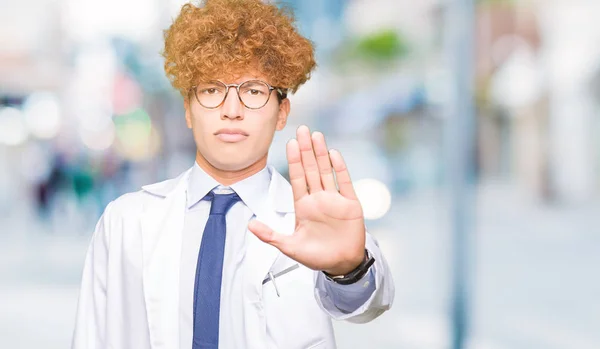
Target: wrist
{"points": [[347, 267], [353, 275]]}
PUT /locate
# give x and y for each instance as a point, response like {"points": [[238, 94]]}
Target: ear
{"points": [[188, 112], [282, 115]]}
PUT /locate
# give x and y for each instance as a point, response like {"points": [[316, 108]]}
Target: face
{"points": [[233, 137]]}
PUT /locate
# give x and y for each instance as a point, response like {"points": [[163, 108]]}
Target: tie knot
{"points": [[221, 203]]}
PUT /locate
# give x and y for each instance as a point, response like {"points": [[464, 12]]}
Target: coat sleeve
{"points": [[90, 323], [379, 301]]}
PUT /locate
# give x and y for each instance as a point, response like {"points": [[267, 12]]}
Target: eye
{"points": [[254, 92], [210, 89]]}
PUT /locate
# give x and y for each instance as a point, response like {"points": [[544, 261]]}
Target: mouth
{"points": [[230, 135]]}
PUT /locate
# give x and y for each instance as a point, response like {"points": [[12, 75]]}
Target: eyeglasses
{"points": [[254, 94]]}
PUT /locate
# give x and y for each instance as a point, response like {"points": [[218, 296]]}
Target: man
{"points": [[229, 254]]}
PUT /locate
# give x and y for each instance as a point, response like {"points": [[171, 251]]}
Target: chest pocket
{"points": [[294, 319]]}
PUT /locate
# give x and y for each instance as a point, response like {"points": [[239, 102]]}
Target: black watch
{"points": [[355, 274]]}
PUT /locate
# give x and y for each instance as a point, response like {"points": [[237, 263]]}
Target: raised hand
{"points": [[330, 229]]}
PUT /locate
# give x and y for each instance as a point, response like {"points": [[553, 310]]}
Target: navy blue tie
{"points": [[209, 272]]}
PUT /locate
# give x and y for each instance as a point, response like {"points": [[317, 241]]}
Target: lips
{"points": [[231, 135]]}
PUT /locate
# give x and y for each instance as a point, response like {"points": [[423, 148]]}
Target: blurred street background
{"points": [[86, 114]]}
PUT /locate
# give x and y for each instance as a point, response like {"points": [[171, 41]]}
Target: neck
{"points": [[226, 177]]}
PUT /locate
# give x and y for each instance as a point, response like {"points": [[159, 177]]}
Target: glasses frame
{"points": [[280, 92]]}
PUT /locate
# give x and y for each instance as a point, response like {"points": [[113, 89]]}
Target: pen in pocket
{"points": [[271, 277], [274, 284]]}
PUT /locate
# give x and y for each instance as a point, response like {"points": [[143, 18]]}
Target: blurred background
{"points": [[86, 115]]}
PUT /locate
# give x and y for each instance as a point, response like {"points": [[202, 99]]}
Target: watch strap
{"points": [[356, 274]]}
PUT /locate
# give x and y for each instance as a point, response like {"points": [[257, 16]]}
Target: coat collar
{"points": [[280, 191], [164, 188]]}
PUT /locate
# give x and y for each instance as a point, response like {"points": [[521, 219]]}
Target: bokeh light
{"points": [[43, 115], [136, 138], [98, 139], [13, 130], [374, 196]]}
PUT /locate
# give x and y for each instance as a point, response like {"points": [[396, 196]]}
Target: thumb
{"points": [[269, 236]]}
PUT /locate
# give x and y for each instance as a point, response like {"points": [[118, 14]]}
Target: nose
{"points": [[232, 107]]}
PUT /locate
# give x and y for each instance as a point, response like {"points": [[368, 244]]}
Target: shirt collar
{"points": [[254, 190], [199, 184]]}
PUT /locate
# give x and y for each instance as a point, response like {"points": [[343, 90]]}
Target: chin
{"points": [[231, 165], [233, 161]]}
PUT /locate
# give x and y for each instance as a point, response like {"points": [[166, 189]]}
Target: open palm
{"points": [[330, 231]]}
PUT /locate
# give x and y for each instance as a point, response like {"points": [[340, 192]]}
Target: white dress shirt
{"points": [[254, 193]]}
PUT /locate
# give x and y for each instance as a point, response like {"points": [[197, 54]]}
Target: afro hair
{"points": [[227, 38]]}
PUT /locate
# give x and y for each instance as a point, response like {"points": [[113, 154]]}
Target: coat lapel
{"points": [[262, 256], [276, 214], [162, 225]]}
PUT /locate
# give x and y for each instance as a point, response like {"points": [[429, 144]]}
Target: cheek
{"points": [[263, 139], [264, 127], [202, 124]]}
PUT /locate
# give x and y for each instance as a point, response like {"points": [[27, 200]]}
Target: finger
{"points": [[342, 175], [265, 234], [309, 162], [323, 161], [297, 178]]}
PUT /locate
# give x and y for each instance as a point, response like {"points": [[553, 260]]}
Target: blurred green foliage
{"points": [[383, 45], [376, 49]]}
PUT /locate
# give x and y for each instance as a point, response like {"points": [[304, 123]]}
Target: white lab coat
{"points": [[129, 295]]}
